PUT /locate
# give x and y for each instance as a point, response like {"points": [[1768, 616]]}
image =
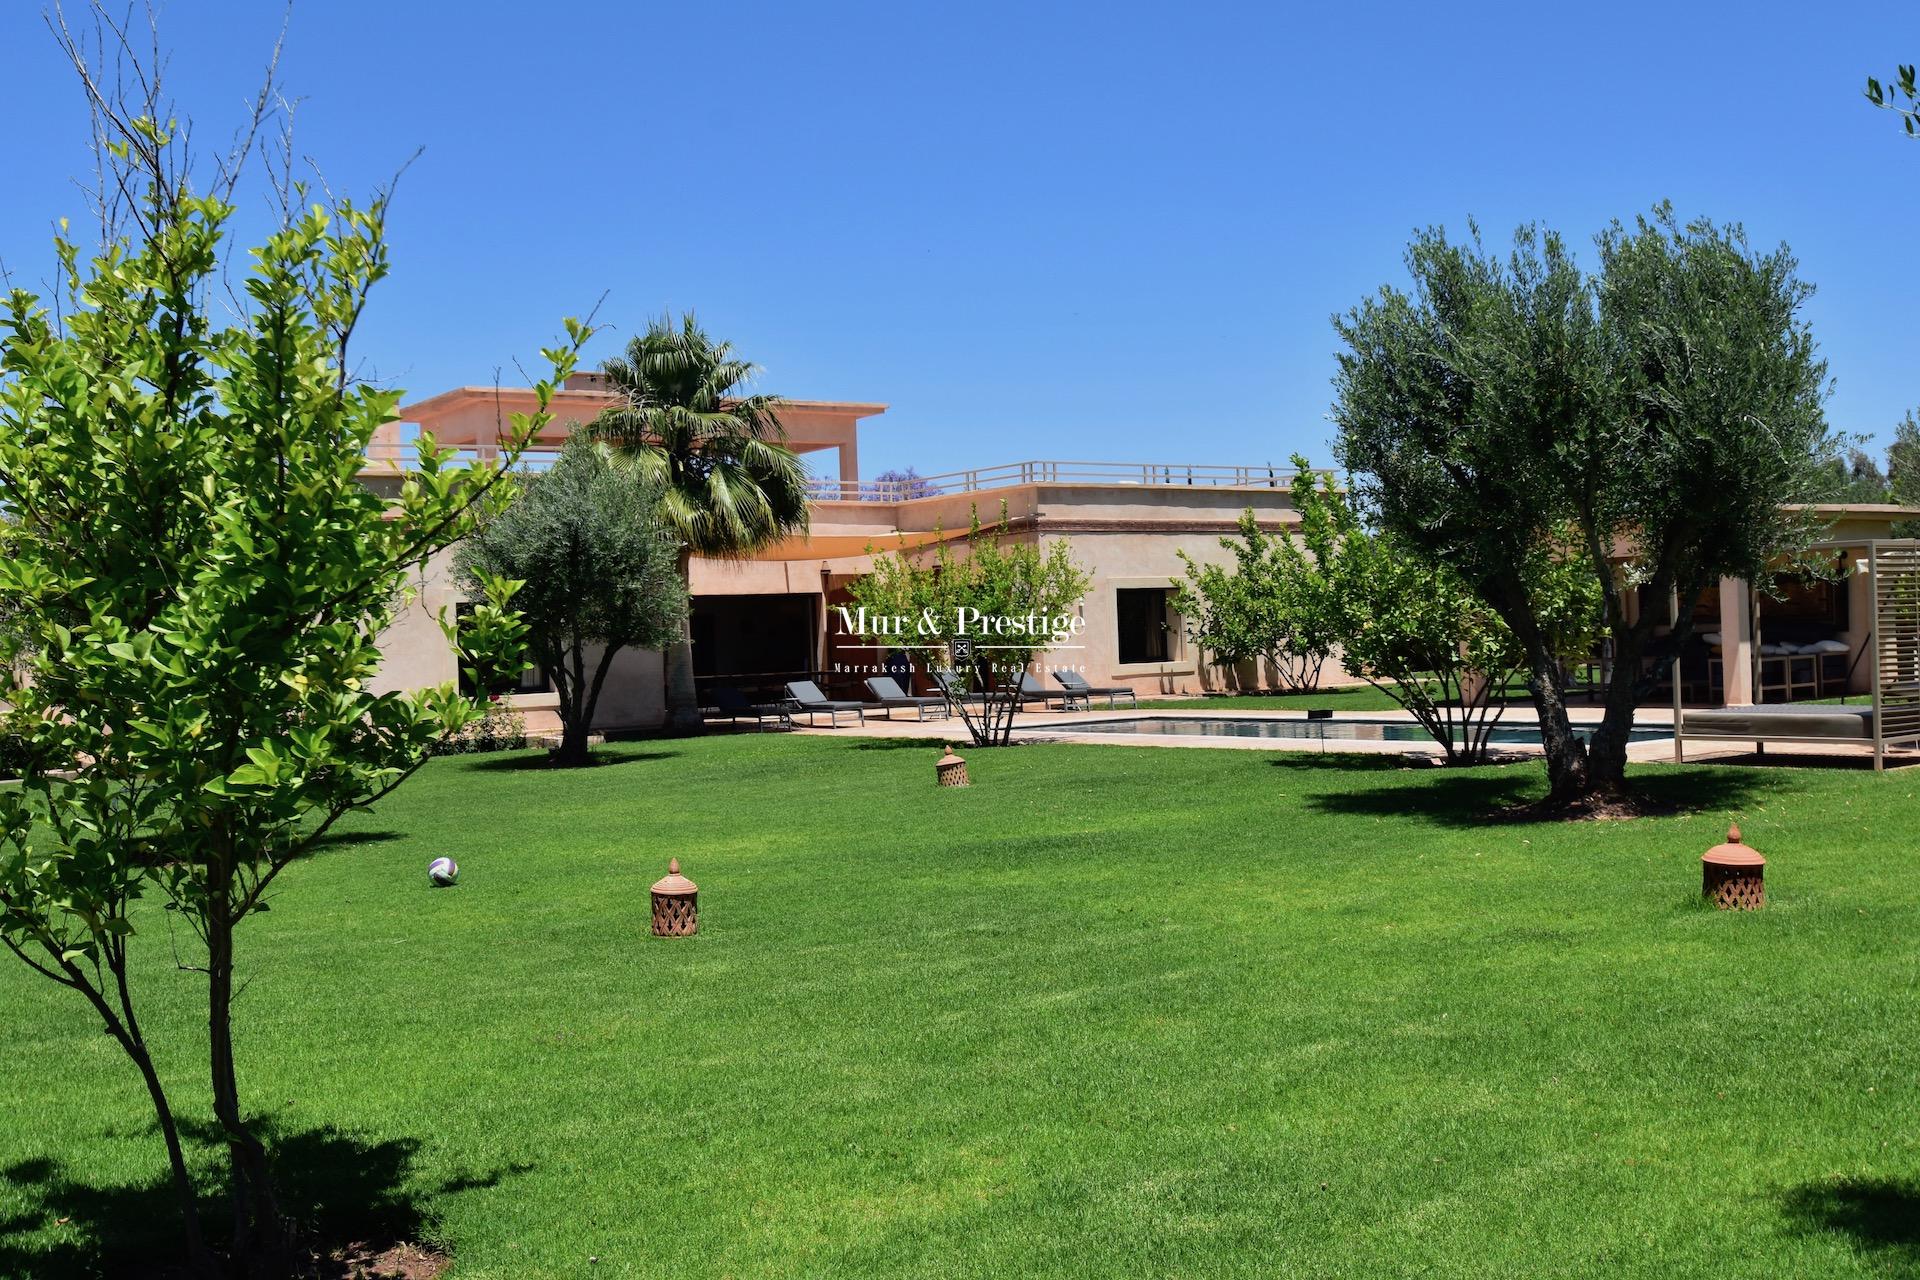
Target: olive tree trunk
{"points": [[579, 696], [1581, 771], [1570, 777]]}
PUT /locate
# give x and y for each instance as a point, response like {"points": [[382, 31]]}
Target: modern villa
{"points": [[774, 618]]}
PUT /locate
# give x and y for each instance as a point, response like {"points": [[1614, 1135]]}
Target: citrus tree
{"points": [[199, 581], [1272, 605], [1406, 626], [1002, 604], [1412, 627]]}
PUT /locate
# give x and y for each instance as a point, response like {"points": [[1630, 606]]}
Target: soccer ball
{"points": [[443, 872]]}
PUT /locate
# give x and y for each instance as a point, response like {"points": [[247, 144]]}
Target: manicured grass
{"points": [[1110, 1012]]}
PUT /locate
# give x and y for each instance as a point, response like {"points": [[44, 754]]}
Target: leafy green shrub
{"points": [[499, 728]]}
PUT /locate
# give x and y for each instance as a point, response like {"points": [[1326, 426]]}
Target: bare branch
{"points": [[142, 145], [36, 966], [230, 168]]}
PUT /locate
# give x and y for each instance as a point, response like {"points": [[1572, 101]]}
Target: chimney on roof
{"points": [[585, 380]]}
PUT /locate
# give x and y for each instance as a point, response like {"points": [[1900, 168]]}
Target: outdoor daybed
{"points": [[1891, 575], [1803, 722], [1784, 722]]}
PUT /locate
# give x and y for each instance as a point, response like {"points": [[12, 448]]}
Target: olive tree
{"points": [[200, 580], [599, 572], [1657, 420], [1901, 95]]}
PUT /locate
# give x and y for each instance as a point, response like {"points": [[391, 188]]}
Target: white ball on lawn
{"points": [[443, 872]]}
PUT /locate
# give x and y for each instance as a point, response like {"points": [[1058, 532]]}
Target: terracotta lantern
{"points": [[676, 904], [950, 770], [1732, 875]]}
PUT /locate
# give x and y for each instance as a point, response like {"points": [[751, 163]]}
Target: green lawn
{"points": [[1110, 1012]]}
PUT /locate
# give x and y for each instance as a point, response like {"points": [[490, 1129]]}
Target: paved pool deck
{"points": [[1071, 726]]}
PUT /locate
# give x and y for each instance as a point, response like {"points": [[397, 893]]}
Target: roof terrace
{"points": [[474, 421]]}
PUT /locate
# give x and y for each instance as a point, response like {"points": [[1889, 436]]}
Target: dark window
{"points": [[1143, 623], [1800, 601], [1807, 600], [532, 679]]}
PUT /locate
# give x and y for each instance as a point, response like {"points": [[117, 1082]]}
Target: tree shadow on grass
{"points": [[337, 1189], [1879, 1214], [1488, 797], [1352, 761], [936, 745], [530, 761], [352, 839]]}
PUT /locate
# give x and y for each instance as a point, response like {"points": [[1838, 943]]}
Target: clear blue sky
{"points": [[1104, 232]]}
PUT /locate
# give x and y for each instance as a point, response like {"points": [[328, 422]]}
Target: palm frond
{"points": [[730, 485]]}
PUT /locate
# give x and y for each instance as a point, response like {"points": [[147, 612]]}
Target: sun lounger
{"points": [[1031, 690], [729, 704], [887, 692], [955, 688], [1078, 690], [810, 702]]}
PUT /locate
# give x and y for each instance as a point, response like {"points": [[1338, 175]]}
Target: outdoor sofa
{"points": [[809, 701], [1816, 669], [887, 692]]}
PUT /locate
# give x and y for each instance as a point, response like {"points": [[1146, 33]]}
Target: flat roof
{"points": [[848, 408], [1867, 510]]}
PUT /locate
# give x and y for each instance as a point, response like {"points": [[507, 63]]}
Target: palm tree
{"points": [[729, 484]]}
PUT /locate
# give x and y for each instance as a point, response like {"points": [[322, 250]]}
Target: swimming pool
{"points": [[1342, 729]]}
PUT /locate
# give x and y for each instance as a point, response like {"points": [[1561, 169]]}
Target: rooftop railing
{"points": [[406, 457], [403, 457], [1008, 475]]}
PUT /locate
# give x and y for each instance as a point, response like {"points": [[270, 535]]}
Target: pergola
{"points": [[1891, 569]]}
